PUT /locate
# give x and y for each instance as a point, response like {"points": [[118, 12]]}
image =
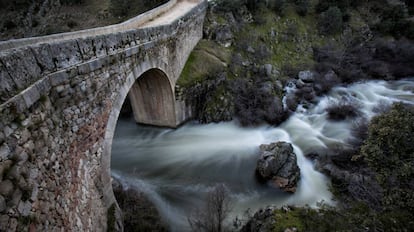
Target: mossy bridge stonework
{"points": [[60, 97]]}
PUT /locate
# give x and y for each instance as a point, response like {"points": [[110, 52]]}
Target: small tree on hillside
{"points": [[211, 218]]}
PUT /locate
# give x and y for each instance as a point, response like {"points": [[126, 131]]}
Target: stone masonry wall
{"points": [[59, 106]]}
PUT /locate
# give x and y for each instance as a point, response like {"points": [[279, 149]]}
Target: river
{"points": [[176, 168]]}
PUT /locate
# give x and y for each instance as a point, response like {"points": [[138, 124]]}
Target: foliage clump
{"points": [[389, 151], [330, 21]]}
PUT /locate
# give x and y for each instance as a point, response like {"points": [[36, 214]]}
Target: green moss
{"points": [[290, 37], [43, 98], [207, 57], [289, 219]]}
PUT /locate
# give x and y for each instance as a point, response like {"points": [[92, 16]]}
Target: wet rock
{"points": [[4, 151], [24, 208], [306, 76], [263, 220], [268, 68], [250, 49], [6, 188], [224, 36], [278, 165]]}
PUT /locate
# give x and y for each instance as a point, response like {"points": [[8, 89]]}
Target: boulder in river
{"points": [[278, 164]]}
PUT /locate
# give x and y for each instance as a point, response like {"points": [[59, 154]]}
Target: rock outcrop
{"points": [[278, 165], [262, 220]]}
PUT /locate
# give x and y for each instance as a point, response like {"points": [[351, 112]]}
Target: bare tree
{"points": [[211, 217]]}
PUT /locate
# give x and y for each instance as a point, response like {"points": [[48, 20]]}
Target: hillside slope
{"points": [[26, 18]]}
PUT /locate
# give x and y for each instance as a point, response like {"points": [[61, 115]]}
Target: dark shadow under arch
{"points": [[152, 99]]}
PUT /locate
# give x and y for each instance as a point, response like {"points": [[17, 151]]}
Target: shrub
{"points": [[72, 23], [324, 5], [389, 150], [216, 210], [302, 7], [278, 6], [71, 2], [8, 24], [330, 21], [393, 20], [227, 6], [119, 7], [124, 8]]}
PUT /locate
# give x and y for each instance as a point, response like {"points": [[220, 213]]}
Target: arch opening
{"points": [[152, 99]]}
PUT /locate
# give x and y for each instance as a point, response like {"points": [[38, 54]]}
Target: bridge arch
{"points": [[152, 100]]}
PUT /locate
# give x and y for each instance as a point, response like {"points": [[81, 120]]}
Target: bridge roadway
{"points": [[179, 9], [60, 98]]}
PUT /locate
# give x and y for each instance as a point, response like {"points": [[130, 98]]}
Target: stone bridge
{"points": [[60, 97]]}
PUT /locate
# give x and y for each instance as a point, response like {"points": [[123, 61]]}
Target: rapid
{"points": [[176, 168]]}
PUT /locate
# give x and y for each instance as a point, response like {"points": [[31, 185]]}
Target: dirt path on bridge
{"points": [[175, 12]]}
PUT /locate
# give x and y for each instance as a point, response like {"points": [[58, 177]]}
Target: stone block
{"points": [[86, 47], [95, 65], [99, 43], [44, 86], [7, 85], [4, 151], [6, 188], [65, 54], [131, 51], [30, 96], [113, 43], [24, 208], [83, 69], [28, 70], [59, 78], [43, 56]]}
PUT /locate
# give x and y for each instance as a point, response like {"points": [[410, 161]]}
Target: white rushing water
{"points": [[176, 168]]}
